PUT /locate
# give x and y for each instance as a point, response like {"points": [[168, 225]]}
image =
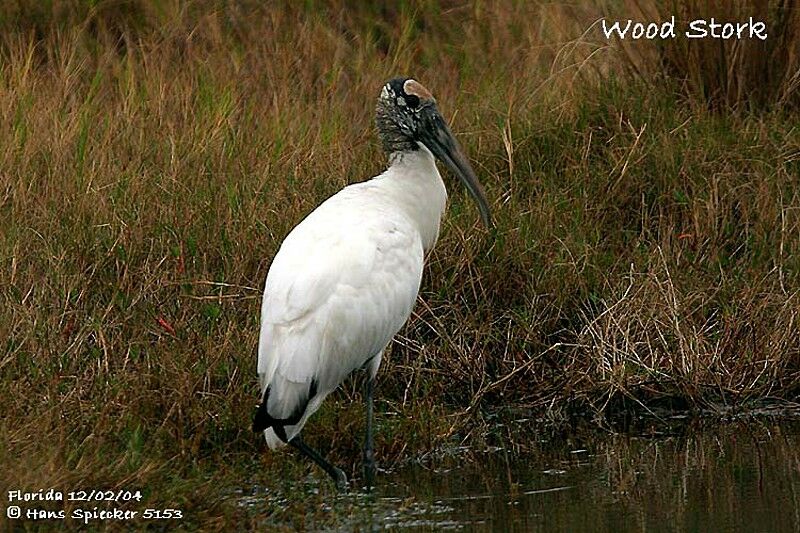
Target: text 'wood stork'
{"points": [[346, 278]]}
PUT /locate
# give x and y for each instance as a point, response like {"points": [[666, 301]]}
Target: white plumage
{"points": [[346, 278], [344, 282]]}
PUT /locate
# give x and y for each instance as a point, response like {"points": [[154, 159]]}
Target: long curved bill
{"points": [[436, 136]]}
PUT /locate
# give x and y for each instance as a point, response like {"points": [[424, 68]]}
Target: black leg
{"points": [[369, 451], [336, 474]]}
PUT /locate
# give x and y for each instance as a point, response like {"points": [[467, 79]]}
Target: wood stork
{"points": [[346, 278]]}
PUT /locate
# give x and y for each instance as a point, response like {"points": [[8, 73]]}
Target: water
{"points": [[699, 476]]}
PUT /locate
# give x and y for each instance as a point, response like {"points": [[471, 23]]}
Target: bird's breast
{"points": [[414, 187]]}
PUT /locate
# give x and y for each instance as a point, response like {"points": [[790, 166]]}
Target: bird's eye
{"points": [[412, 101]]}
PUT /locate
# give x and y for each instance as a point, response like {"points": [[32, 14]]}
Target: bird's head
{"points": [[407, 117]]}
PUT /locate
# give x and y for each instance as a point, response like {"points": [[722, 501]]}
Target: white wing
{"points": [[342, 284]]}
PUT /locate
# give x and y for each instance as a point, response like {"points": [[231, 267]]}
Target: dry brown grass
{"points": [[153, 156], [730, 73]]}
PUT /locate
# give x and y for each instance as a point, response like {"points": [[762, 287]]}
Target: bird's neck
{"points": [[414, 183]]}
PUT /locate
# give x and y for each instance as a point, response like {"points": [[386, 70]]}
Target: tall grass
{"points": [[723, 73], [153, 155]]}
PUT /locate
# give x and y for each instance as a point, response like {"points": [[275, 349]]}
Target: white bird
{"points": [[346, 278]]}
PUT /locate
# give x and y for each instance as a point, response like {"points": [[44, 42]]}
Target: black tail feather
{"points": [[263, 420]]}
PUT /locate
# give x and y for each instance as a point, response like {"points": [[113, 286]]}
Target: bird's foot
{"points": [[339, 478]]}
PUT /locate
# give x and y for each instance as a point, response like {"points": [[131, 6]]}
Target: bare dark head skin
{"points": [[407, 117]]}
